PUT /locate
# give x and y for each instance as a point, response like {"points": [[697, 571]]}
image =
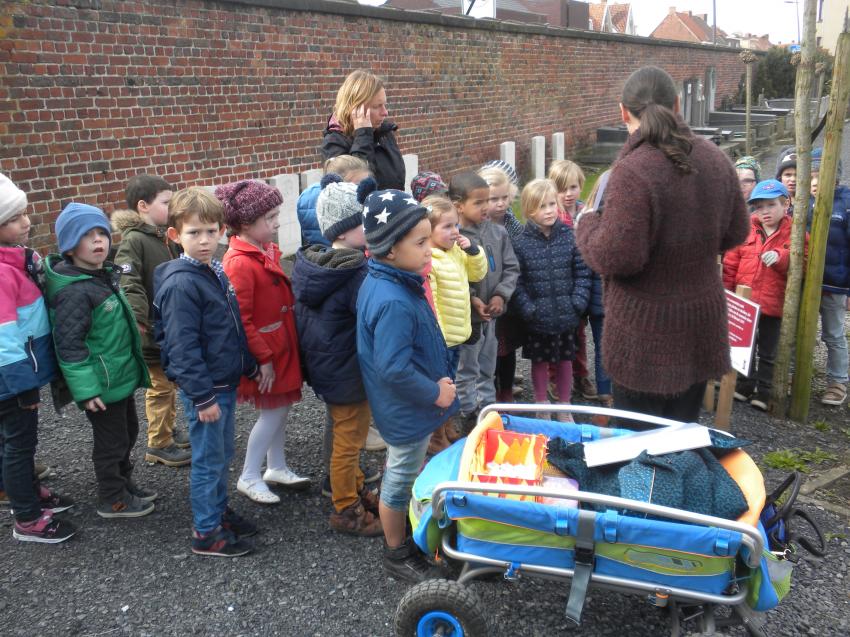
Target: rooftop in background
{"points": [[750, 41], [612, 18], [687, 26]]}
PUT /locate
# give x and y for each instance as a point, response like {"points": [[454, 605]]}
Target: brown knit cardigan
{"points": [[656, 244]]}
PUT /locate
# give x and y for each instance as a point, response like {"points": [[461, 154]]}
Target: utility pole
{"points": [[714, 7]]}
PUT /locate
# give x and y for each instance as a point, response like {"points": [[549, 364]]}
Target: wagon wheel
{"points": [[440, 607]]}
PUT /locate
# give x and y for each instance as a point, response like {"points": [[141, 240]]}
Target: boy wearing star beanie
{"points": [[404, 362], [99, 351]]}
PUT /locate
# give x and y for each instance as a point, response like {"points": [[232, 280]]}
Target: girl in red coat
{"points": [[252, 263], [761, 263]]}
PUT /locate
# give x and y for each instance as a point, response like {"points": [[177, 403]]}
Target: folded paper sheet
{"points": [[655, 442]]}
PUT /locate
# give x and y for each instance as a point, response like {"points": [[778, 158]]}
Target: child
{"points": [[455, 263], [503, 192], [569, 180], [836, 285], [27, 363], [264, 293], [326, 282], [352, 169], [143, 247], [204, 350], [427, 183], [404, 362], [552, 291], [490, 296], [786, 172], [99, 351], [761, 263], [749, 174]]}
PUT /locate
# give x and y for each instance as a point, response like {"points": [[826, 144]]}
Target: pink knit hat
{"points": [[246, 201]]}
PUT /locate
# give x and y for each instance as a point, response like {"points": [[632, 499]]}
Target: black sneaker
{"points": [[181, 438], [406, 563], [371, 475], [170, 456], [219, 543], [53, 502], [45, 530], [144, 495], [127, 507], [236, 524]]}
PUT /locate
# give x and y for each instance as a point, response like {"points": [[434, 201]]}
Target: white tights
{"points": [[267, 438]]}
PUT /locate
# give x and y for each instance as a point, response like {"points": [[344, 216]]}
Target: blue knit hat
{"points": [[817, 156], [388, 216], [75, 220]]}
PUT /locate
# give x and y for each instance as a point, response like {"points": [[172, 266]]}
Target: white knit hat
{"points": [[13, 200]]}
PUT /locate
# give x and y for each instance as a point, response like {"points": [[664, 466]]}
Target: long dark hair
{"points": [[650, 95]]}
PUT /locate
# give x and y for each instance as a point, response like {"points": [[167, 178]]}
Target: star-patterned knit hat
{"points": [[388, 215]]}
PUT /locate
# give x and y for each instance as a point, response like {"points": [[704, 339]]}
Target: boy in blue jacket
{"points": [[404, 362], [204, 350]]}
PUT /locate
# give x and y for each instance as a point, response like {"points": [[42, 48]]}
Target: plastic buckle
{"points": [[512, 572], [584, 554]]}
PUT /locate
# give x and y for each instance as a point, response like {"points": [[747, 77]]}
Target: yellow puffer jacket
{"points": [[451, 273]]}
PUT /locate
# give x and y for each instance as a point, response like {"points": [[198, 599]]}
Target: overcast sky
{"points": [[775, 17]]}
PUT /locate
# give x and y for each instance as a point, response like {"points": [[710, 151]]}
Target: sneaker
{"points": [[53, 502], [127, 507], [407, 564], [356, 520], [45, 530], [170, 456], [374, 441], [237, 525], [181, 438], [371, 476], [758, 403], [42, 471], [144, 495], [219, 543], [326, 487], [585, 387], [286, 477], [835, 394]]}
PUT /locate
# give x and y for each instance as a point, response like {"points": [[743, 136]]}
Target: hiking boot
{"points": [[287, 478], [356, 520], [452, 430], [170, 456], [407, 564], [835, 394], [439, 441], [42, 471], [374, 441], [127, 507], [145, 495], [45, 530], [220, 543], [181, 438], [585, 387], [237, 525], [370, 500], [53, 502]]}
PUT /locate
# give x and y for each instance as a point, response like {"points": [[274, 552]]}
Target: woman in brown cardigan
{"points": [[672, 204]]}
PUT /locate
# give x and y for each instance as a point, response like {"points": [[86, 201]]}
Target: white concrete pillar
{"points": [[411, 169], [538, 157], [558, 146], [289, 233], [507, 153], [310, 177]]}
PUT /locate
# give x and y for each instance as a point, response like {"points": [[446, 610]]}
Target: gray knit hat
{"points": [[388, 216], [337, 208]]}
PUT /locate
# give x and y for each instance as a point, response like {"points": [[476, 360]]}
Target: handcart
{"points": [[687, 563]]}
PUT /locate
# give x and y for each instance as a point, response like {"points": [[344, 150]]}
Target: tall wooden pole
{"points": [[803, 128], [748, 58], [808, 323]]}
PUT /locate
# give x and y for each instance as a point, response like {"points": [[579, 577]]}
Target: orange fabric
{"points": [[743, 470]]}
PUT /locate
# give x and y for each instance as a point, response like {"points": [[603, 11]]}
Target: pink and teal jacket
{"points": [[27, 361]]}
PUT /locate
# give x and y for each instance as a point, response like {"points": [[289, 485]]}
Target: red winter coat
{"points": [[743, 265], [266, 304]]}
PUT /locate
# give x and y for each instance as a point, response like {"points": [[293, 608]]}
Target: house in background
{"points": [[557, 13], [687, 26], [833, 18], [750, 41], [611, 17]]}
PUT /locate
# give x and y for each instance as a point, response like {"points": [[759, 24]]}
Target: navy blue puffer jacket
{"points": [[554, 283], [326, 283], [836, 269]]}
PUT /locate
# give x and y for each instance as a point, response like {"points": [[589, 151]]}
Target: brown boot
{"points": [[453, 434], [370, 500], [439, 441], [355, 520]]}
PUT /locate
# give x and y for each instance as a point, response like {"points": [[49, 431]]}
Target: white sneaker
{"points": [[374, 442], [286, 478], [256, 490]]}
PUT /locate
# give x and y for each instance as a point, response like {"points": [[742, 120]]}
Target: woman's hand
{"points": [[361, 117]]}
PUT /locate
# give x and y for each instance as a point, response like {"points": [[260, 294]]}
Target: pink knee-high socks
{"points": [[563, 380]]}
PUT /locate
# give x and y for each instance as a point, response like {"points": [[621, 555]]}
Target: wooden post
{"points": [[810, 306], [748, 58], [723, 417], [820, 75], [803, 128]]}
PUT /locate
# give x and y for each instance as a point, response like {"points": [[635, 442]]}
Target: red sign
{"points": [[743, 318]]}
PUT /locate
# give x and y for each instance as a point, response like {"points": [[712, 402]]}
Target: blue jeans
{"points": [[603, 382], [404, 462], [212, 450], [18, 440], [833, 307]]}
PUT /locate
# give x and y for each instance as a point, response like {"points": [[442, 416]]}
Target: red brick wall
{"points": [[93, 92]]}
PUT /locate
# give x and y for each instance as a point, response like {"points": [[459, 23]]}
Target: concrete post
{"points": [[538, 157], [411, 169], [507, 153], [289, 233], [310, 177], [558, 146]]}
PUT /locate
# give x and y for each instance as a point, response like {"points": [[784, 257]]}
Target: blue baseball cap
{"points": [[768, 189]]}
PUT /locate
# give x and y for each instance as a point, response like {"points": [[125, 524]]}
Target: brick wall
{"points": [[93, 92]]}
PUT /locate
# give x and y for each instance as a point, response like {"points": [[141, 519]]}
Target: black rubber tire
{"points": [[441, 595]]}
